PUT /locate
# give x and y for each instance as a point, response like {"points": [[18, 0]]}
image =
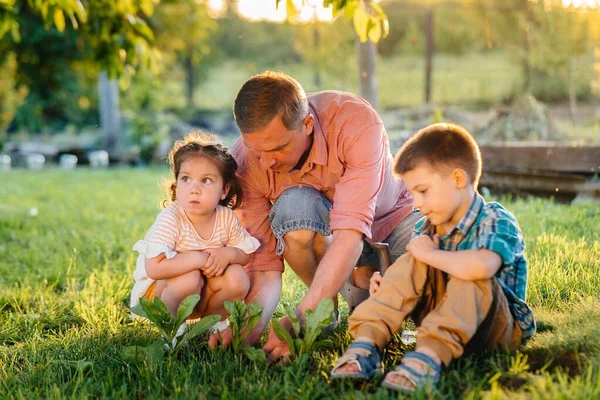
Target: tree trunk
{"points": [[366, 53], [189, 80], [316, 46], [527, 49], [572, 93], [428, 54], [110, 117]]}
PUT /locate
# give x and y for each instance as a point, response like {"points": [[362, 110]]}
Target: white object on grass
{"points": [[5, 162], [67, 161], [98, 159], [35, 161]]}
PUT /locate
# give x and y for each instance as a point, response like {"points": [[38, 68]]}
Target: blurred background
{"points": [[129, 77]]}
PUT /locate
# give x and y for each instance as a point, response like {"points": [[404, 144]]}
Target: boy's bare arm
{"points": [[469, 265], [161, 267]]}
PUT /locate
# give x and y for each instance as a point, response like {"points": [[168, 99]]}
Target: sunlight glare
{"points": [[216, 8], [257, 10], [581, 3]]}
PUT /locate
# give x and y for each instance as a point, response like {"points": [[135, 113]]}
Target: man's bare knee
{"points": [[299, 239]]}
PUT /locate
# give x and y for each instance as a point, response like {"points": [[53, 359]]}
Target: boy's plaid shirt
{"points": [[490, 226]]}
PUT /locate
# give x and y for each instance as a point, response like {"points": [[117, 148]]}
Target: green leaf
{"points": [[290, 10], [294, 318], [256, 355], [299, 346], [380, 14], [284, 335], [361, 20], [255, 311], [147, 7], [186, 308], [139, 310], [153, 313], [386, 27], [350, 8], [134, 354], [374, 30], [322, 315], [229, 306], [201, 326], [59, 20], [156, 352], [168, 322], [316, 321]]}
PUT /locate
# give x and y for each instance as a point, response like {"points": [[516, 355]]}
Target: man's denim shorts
{"points": [[306, 208]]}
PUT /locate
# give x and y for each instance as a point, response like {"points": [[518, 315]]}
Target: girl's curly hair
{"points": [[201, 144]]}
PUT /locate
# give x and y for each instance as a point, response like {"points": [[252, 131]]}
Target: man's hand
{"points": [[375, 283], [224, 336], [422, 246], [218, 259], [277, 348]]}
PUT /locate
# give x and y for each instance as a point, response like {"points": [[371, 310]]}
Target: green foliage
{"points": [[305, 340], [158, 313], [242, 319], [115, 33], [11, 97], [51, 69]]}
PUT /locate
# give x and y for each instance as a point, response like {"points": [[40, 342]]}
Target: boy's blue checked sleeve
{"points": [[500, 233]]}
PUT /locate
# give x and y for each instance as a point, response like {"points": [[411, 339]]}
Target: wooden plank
{"points": [[579, 186], [541, 157]]}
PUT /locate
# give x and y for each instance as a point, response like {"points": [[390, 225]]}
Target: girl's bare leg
{"points": [[172, 291], [232, 285]]}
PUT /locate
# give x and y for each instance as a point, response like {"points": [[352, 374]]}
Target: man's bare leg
{"points": [[265, 288], [303, 252]]}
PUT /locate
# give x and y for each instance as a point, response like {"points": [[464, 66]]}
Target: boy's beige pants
{"points": [[453, 316]]}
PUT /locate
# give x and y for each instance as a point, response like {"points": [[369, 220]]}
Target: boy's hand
{"points": [[375, 283], [218, 260], [423, 245]]}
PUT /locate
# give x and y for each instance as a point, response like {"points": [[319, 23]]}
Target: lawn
{"points": [[66, 269]]}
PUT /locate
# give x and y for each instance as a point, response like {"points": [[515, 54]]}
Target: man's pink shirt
{"points": [[350, 163]]}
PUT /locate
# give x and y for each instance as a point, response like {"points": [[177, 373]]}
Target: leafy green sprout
{"points": [[305, 341], [242, 319], [156, 311]]}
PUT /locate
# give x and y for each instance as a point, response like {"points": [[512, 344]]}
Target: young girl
{"points": [[196, 245]]}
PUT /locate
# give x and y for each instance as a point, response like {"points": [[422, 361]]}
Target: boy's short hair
{"points": [[441, 145]]}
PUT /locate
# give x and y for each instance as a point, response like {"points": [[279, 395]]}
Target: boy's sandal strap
{"points": [[425, 359], [364, 346], [368, 365], [402, 371]]}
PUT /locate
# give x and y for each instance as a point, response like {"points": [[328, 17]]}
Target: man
{"points": [[318, 186]]}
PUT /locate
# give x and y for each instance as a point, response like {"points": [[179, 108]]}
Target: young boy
{"points": [[463, 280]]}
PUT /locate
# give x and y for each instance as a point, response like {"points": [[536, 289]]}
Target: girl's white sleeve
{"points": [[161, 237], [238, 236]]}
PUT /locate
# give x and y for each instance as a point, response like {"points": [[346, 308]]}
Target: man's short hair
{"points": [[443, 145], [264, 96]]}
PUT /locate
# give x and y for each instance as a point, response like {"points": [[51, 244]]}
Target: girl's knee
{"points": [[237, 281], [188, 283]]}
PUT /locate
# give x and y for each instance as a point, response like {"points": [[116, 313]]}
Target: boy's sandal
{"points": [[368, 365], [416, 379]]}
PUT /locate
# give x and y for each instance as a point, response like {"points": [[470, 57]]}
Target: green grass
{"points": [[65, 276]]}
